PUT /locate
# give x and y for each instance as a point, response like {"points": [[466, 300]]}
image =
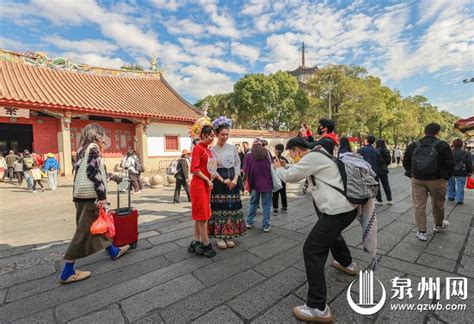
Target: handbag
{"points": [[100, 225], [276, 181], [83, 187], [470, 183]]}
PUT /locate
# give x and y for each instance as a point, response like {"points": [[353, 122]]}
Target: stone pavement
{"points": [[259, 281]]}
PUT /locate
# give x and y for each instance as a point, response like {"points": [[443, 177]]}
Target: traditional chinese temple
{"points": [[303, 73], [45, 103]]}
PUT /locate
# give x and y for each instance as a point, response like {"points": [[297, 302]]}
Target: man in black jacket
{"points": [[328, 139], [182, 176], [429, 163]]}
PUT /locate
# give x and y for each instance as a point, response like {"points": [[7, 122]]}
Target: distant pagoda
{"points": [[303, 73]]}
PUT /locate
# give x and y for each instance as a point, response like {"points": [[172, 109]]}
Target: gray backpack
{"points": [[359, 184]]}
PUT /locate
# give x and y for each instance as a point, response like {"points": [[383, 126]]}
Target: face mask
{"points": [[320, 130]]}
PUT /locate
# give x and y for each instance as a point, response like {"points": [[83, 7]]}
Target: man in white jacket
{"points": [[335, 213]]}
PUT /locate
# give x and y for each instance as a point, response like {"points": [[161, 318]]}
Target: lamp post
{"points": [[331, 86]]}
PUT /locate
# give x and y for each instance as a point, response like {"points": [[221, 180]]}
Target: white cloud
{"points": [[171, 5], [11, 44], [247, 52], [199, 81], [419, 91], [114, 25], [82, 46], [94, 59], [184, 27], [224, 24], [255, 7]]}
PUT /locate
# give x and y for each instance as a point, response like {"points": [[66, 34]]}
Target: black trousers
{"points": [[398, 160], [325, 236], [35, 182], [383, 178], [177, 190], [282, 193]]}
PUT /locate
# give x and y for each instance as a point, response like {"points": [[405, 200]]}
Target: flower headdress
{"points": [[195, 130], [222, 121]]}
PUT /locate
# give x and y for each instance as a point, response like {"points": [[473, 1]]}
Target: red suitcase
{"points": [[126, 222]]}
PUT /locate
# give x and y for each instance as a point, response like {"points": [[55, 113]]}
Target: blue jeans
{"points": [[29, 179], [456, 188], [267, 204]]}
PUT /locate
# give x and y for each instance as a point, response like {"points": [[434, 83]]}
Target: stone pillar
{"points": [[142, 142], [65, 146]]}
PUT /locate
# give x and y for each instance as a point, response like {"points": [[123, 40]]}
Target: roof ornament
{"points": [[154, 64], [40, 58]]}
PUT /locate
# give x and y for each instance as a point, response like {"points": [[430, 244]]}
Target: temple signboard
{"points": [[14, 112]]}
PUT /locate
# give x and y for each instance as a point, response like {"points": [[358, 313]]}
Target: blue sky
{"points": [[419, 47]]}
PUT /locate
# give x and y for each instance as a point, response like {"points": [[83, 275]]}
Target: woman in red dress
{"points": [[200, 190]]}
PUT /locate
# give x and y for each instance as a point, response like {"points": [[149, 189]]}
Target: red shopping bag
{"points": [[100, 225], [110, 226], [470, 183]]}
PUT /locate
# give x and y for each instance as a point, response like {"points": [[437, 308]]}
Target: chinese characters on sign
{"points": [[455, 287], [14, 112]]}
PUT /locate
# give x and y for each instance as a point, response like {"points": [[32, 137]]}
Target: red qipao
{"points": [[199, 190]]}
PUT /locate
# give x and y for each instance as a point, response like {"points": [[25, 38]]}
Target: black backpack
{"points": [[460, 164], [425, 160]]}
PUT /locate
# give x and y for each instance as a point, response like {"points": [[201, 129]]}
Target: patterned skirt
{"points": [[227, 220]]}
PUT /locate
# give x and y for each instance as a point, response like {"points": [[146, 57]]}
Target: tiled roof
{"points": [[35, 86], [252, 133]]}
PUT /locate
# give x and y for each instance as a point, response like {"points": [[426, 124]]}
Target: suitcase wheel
{"points": [[133, 245]]}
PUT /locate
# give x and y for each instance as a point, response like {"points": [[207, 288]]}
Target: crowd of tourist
{"points": [[31, 167], [214, 174]]}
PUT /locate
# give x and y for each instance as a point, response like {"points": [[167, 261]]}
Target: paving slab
{"points": [[110, 314], [196, 305], [250, 303], [110, 295], [160, 296], [43, 317], [219, 315], [435, 261], [223, 269], [466, 267]]}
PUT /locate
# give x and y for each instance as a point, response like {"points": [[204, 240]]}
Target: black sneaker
{"points": [[205, 250], [275, 212], [451, 199], [284, 210], [192, 246]]}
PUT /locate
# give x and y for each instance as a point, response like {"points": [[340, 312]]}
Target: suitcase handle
{"points": [[124, 211]]}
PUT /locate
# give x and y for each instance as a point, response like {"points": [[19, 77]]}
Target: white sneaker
{"points": [[390, 203], [441, 228], [307, 314], [267, 229], [34, 191], [422, 236], [378, 203], [350, 269]]}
